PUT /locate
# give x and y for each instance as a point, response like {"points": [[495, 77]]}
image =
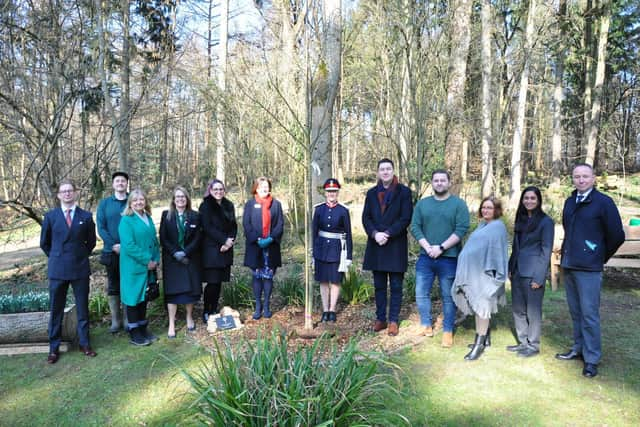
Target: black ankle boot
{"points": [[325, 317], [137, 338], [478, 348], [332, 316], [487, 338]]}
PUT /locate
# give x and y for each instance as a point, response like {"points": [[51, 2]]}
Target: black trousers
{"points": [[137, 315], [526, 304]]}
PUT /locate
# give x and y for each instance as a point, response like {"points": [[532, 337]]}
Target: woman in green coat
{"points": [[139, 257]]}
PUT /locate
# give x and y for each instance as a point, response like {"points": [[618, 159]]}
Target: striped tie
{"points": [[68, 217]]}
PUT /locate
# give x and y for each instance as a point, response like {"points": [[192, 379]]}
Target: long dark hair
{"points": [[523, 223]]}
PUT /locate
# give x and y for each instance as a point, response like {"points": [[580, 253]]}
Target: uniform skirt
{"points": [[327, 272]]}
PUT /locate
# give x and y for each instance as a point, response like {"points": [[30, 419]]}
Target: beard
{"points": [[441, 193]]}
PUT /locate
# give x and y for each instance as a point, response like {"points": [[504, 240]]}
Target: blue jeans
{"points": [[583, 299], [427, 269], [380, 280]]}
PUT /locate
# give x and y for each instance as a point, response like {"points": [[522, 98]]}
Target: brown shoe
{"points": [[379, 325], [53, 357], [393, 329], [447, 339], [427, 331], [88, 351]]}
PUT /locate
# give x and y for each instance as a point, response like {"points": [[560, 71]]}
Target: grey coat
{"points": [[482, 270]]}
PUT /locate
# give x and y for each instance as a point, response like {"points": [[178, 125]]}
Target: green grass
{"points": [[502, 389], [123, 385]]}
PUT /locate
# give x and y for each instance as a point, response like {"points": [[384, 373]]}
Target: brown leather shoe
{"points": [[447, 339], [427, 331], [88, 351], [393, 329], [379, 325], [53, 357]]}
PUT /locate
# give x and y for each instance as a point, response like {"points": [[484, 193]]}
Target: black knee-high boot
{"points": [[257, 294], [478, 348], [268, 286]]}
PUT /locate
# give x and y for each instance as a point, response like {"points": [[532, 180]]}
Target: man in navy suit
{"points": [[593, 232], [68, 236]]}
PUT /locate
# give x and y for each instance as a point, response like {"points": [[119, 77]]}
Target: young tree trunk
{"points": [[124, 142], [326, 84], [519, 133], [222, 84], [487, 64], [558, 97], [454, 122], [596, 106]]}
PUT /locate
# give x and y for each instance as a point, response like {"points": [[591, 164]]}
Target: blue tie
{"points": [[580, 198]]}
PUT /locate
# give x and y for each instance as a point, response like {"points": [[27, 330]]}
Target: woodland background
{"points": [[176, 92]]}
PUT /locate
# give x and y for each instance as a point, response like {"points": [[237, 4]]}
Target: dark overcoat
{"points": [[68, 248], [180, 278], [218, 224], [252, 224], [393, 256], [531, 251]]}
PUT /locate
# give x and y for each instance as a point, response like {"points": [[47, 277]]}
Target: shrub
{"points": [[264, 383], [354, 289], [291, 287], [238, 293], [409, 291], [98, 306], [24, 303]]}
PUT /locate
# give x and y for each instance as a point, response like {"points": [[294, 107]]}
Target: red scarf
{"points": [[384, 194], [265, 204]]}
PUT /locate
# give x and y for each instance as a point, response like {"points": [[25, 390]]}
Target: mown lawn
{"points": [[502, 389], [143, 386]]}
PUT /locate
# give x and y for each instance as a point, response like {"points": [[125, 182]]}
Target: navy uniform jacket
{"points": [[68, 249], [593, 231], [531, 251], [392, 257], [332, 220], [252, 224]]}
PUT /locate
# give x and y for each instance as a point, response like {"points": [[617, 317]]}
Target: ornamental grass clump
{"points": [[238, 293], [354, 289], [265, 383]]}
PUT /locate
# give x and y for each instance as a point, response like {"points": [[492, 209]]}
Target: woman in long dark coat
{"points": [[528, 267], [180, 236], [220, 229], [263, 224]]}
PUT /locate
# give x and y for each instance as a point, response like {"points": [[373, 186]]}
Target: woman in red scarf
{"points": [[263, 225]]}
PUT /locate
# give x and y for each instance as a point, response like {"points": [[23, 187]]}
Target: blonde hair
{"points": [[138, 192]]}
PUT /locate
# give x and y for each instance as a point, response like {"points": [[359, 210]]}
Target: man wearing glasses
{"points": [[68, 236]]}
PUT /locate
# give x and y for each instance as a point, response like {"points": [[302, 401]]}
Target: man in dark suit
{"points": [[68, 236], [385, 217], [593, 232]]}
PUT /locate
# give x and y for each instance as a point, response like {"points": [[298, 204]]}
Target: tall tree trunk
{"points": [[588, 70], [222, 84], [326, 84], [519, 133], [558, 98], [486, 187], [124, 143], [596, 106], [454, 122]]}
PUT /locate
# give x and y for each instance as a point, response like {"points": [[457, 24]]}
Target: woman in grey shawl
{"points": [[482, 270]]}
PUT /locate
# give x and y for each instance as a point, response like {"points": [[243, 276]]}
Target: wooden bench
{"points": [[630, 248]]}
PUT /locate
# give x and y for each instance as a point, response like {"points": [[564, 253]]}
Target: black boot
{"points": [[268, 286], [332, 316], [137, 338], [487, 340], [257, 294], [147, 333], [478, 348], [325, 317]]}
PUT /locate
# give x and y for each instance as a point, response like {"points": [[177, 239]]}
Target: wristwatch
{"points": [[442, 248]]}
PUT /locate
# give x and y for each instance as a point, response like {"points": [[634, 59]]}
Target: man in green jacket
{"points": [[108, 218]]}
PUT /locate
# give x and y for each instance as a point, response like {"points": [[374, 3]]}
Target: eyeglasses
{"points": [[66, 191], [179, 197], [217, 189]]}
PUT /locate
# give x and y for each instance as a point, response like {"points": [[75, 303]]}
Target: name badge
{"points": [[257, 206], [192, 225]]}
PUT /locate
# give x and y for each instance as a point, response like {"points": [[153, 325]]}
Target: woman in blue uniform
{"points": [[332, 247]]}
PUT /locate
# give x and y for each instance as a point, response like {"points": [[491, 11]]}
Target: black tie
{"points": [[580, 198]]}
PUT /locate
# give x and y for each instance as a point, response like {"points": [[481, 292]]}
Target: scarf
{"points": [[384, 195], [265, 204]]}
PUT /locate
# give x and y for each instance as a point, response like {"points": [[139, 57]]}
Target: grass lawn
{"points": [[123, 385], [502, 389]]}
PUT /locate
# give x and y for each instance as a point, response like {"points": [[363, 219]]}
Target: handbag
{"points": [[153, 287]]}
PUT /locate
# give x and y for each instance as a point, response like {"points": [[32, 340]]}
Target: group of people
{"points": [[198, 246]]}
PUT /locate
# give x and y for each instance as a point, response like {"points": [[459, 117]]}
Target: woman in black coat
{"points": [[180, 236], [263, 225], [528, 266], [220, 229]]}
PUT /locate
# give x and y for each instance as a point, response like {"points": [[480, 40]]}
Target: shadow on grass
{"points": [[503, 389]]}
